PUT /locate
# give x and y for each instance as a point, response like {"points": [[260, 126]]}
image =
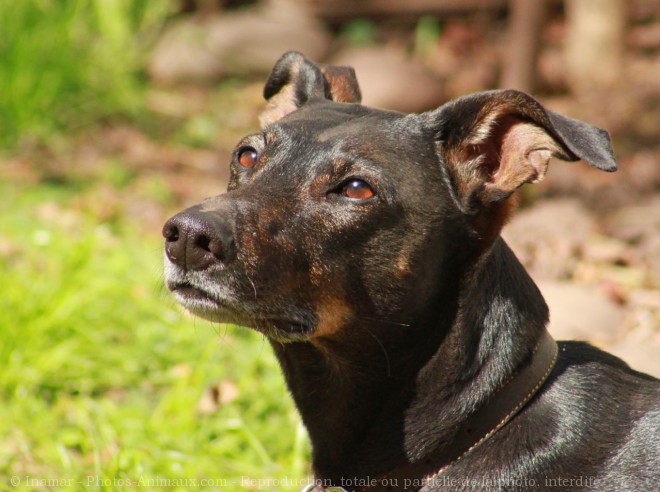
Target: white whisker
{"points": [[254, 287], [387, 357]]}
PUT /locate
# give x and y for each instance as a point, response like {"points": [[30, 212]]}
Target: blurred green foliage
{"points": [[67, 63], [427, 34], [360, 32], [102, 376]]}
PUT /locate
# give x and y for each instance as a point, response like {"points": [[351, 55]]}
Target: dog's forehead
{"points": [[355, 128]]}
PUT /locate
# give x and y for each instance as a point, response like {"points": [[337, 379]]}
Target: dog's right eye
{"points": [[247, 157], [357, 189]]}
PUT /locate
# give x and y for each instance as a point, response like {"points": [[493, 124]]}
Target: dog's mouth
{"points": [[188, 294], [201, 303], [198, 301]]}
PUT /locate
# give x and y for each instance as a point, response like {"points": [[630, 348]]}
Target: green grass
{"points": [[101, 374], [66, 64]]}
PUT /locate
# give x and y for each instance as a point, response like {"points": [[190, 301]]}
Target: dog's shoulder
{"points": [[596, 420], [592, 385], [589, 364], [602, 408]]}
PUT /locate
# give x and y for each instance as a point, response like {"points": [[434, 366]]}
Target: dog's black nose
{"points": [[195, 240]]}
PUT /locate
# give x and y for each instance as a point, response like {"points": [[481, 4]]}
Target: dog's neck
{"points": [[371, 399]]}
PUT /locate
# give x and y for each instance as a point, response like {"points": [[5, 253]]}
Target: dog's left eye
{"points": [[247, 157], [357, 190]]}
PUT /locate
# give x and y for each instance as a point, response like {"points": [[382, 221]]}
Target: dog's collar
{"points": [[501, 407]]}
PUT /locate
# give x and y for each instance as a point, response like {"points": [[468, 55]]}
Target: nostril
{"points": [[213, 245], [171, 232], [202, 241]]}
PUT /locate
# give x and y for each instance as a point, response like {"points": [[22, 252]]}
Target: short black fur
{"points": [[397, 316]]}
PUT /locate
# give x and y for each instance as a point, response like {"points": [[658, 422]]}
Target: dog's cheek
{"points": [[270, 247], [403, 268]]}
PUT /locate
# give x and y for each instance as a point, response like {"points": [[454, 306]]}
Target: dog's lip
{"points": [[278, 328], [189, 292], [270, 325]]}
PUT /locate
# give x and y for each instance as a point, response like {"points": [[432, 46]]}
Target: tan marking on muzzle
{"points": [[403, 265], [333, 315]]}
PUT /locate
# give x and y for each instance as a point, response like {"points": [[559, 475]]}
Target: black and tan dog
{"points": [[364, 244]]}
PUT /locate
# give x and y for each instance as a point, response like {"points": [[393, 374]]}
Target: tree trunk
{"points": [[526, 19], [595, 43]]}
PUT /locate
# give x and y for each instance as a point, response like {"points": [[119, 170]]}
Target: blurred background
{"points": [[114, 114]]}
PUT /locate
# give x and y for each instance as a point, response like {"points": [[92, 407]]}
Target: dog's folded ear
{"points": [[494, 142], [295, 81]]}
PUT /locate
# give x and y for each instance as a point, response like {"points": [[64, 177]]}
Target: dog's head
{"points": [[338, 212]]}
